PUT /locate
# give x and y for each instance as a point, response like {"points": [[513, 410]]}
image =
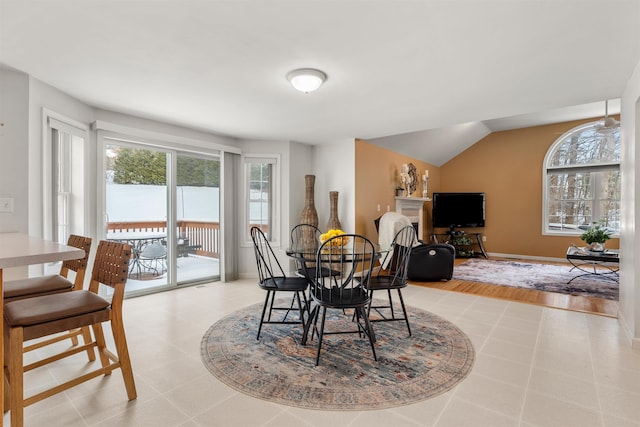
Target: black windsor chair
{"points": [[273, 280], [305, 238], [350, 290], [394, 277]]}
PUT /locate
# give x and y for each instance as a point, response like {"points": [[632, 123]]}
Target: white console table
{"points": [[413, 208]]}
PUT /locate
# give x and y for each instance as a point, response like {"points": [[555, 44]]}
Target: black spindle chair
{"points": [[394, 277], [349, 290], [273, 280], [305, 239]]}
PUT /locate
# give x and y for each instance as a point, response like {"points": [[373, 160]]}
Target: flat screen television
{"points": [[452, 210]]}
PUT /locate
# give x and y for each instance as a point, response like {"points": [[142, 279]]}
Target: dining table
{"points": [[19, 250], [137, 240], [306, 253]]}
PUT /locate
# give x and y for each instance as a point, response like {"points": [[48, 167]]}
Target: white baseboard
{"points": [[533, 258], [634, 342]]}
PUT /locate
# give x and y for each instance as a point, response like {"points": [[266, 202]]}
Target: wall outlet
{"points": [[6, 204], [378, 208], [484, 238]]}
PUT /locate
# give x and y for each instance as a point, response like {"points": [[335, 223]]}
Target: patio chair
{"points": [[153, 258], [273, 280], [46, 315]]}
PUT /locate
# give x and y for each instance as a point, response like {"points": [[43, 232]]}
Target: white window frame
{"points": [[546, 169], [274, 207], [77, 161]]}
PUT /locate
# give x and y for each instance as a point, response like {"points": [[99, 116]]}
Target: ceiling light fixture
{"points": [[306, 79], [608, 124]]}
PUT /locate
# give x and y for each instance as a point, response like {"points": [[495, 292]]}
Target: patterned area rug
{"points": [[277, 368], [542, 277]]}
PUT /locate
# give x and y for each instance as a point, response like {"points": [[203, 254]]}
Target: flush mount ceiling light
{"points": [[306, 79]]}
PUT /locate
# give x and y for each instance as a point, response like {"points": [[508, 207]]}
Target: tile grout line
{"points": [[531, 365], [453, 391]]}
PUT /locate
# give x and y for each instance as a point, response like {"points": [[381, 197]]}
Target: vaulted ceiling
{"points": [[426, 78]]}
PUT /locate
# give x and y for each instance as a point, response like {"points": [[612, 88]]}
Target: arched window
{"points": [[582, 180]]}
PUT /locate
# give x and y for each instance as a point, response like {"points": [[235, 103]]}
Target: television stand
{"points": [[468, 245]]}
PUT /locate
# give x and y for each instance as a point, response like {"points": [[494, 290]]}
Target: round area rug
{"points": [[278, 368]]}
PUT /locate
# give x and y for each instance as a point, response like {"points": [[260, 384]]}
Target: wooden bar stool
{"points": [[45, 315], [52, 284], [14, 290]]}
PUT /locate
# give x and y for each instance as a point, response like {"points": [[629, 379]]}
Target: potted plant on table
{"points": [[595, 236]]}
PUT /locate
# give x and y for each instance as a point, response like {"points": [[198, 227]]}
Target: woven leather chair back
{"points": [[79, 242], [111, 265]]}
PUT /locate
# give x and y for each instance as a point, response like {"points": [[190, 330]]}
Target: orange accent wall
{"points": [[506, 166], [377, 176]]}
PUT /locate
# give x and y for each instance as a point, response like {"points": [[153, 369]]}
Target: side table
{"points": [[604, 264]]}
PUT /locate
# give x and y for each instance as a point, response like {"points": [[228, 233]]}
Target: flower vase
{"points": [[309, 215], [334, 222], [596, 247]]}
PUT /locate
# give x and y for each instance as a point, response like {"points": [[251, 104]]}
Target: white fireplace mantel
{"points": [[413, 208]]}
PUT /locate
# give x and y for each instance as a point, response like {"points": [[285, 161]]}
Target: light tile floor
{"points": [[534, 367]]}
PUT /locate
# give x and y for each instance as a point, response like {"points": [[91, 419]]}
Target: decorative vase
{"points": [[596, 247], [309, 215], [334, 222]]}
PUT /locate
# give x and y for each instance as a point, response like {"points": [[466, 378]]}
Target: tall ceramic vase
{"points": [[334, 222], [309, 215]]}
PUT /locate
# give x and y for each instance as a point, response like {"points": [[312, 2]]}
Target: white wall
{"points": [[301, 164], [14, 138], [334, 169], [630, 241], [295, 162], [162, 128], [42, 96]]}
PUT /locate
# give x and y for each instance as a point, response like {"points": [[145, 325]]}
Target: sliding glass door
{"points": [[165, 204], [136, 211], [197, 218]]}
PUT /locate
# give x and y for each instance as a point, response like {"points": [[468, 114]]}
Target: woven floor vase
{"points": [[309, 215], [334, 221]]}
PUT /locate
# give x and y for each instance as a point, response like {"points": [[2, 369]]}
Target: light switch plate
{"points": [[6, 204]]}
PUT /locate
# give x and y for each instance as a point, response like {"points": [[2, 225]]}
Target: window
{"points": [[64, 175], [61, 154], [260, 178], [582, 180], [64, 195]]}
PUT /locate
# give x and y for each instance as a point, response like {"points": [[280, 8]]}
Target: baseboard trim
{"points": [[530, 257], [633, 342]]}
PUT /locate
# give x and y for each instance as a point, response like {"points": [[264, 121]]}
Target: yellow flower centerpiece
{"points": [[333, 233]]}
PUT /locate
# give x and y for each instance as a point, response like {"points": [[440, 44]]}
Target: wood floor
{"points": [[599, 306]]}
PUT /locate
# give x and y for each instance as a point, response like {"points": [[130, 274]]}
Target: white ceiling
{"points": [[434, 75]]}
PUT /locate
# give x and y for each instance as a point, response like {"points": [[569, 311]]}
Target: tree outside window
{"points": [[260, 179], [583, 180]]}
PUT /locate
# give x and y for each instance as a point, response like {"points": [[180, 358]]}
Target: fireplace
{"points": [[413, 208]]}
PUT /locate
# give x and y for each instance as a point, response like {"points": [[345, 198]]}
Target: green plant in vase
{"points": [[596, 235]]}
